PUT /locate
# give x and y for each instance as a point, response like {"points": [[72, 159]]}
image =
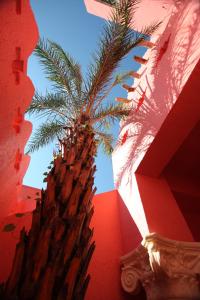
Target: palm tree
{"points": [[51, 261], [111, 2]]}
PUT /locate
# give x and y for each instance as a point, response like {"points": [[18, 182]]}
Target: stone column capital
{"points": [[167, 269]]}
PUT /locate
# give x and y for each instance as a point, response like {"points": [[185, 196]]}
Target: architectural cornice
{"points": [[167, 269]]}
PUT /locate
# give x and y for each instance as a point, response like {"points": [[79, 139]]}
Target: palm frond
{"points": [[117, 40], [46, 133], [51, 101], [110, 113], [106, 140], [53, 106], [111, 2], [59, 67], [71, 65], [75, 97], [121, 78]]}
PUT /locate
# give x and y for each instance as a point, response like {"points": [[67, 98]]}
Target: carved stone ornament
{"points": [[167, 269]]}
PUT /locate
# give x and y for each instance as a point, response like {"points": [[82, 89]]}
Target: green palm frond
{"points": [[46, 133], [53, 106], [51, 101], [117, 40], [59, 67], [110, 113], [121, 78], [106, 140], [73, 97], [111, 2], [73, 67]]}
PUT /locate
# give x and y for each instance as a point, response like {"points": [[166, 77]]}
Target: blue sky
{"points": [[68, 23]]}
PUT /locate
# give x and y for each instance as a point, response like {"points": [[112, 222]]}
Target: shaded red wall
{"points": [[10, 228], [190, 207], [130, 234], [115, 235], [182, 174]]}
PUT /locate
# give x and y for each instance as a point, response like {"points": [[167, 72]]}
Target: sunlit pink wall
{"points": [[163, 81], [146, 12], [19, 34]]}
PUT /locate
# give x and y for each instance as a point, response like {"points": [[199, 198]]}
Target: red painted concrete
{"points": [[182, 174], [111, 220], [176, 145], [9, 239], [26, 199], [130, 234], [190, 208], [147, 12], [105, 262], [162, 212], [171, 80], [183, 117], [19, 34]]}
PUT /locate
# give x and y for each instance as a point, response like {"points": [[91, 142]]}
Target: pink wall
{"points": [[147, 12], [163, 85], [181, 120], [170, 111], [19, 34], [174, 154]]}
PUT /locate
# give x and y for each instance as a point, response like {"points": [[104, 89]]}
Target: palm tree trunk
{"points": [[51, 261]]}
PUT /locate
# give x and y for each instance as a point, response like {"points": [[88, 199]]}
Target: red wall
{"points": [[182, 174], [115, 235], [8, 239]]}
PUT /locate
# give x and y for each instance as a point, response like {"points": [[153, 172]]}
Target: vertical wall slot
{"points": [[18, 7], [17, 65]]}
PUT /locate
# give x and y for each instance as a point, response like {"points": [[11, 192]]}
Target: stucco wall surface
{"points": [[146, 12], [170, 64], [19, 35]]}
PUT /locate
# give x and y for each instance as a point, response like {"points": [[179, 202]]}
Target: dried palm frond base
{"points": [[51, 261]]}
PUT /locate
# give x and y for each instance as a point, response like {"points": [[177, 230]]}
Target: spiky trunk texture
{"points": [[51, 261]]}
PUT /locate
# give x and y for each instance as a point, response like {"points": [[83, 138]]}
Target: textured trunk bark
{"points": [[51, 261]]}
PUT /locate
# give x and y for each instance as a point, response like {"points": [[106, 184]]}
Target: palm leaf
{"points": [[51, 101], [53, 106], [73, 67], [121, 78], [58, 65], [46, 133], [117, 40], [111, 113], [106, 140]]}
